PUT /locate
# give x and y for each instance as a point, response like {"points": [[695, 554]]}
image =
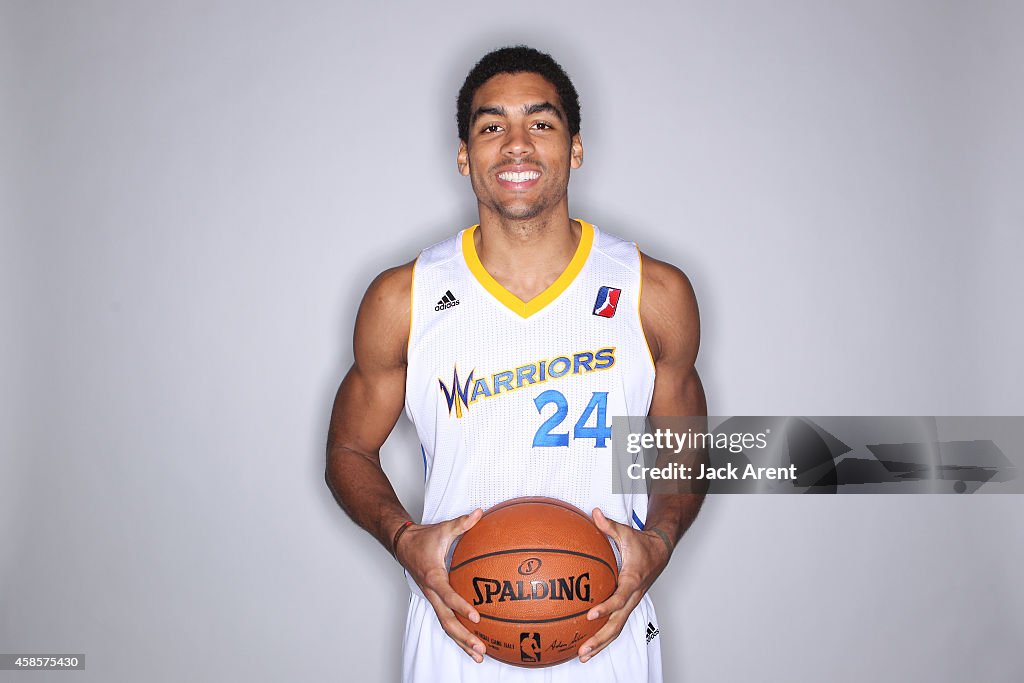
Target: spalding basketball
{"points": [[533, 568]]}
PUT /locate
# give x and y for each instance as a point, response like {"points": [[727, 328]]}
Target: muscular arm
{"points": [[668, 310], [367, 406]]}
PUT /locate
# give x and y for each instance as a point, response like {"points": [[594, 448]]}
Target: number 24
{"points": [[599, 433]]}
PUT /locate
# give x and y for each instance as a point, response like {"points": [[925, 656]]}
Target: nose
{"points": [[517, 143]]}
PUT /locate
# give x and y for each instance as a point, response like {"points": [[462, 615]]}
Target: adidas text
{"points": [[447, 301]]}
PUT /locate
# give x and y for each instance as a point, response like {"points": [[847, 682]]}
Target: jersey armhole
{"points": [[412, 307], [639, 317]]}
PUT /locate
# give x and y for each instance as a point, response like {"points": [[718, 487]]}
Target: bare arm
{"points": [[668, 311], [367, 406], [366, 409], [672, 326]]}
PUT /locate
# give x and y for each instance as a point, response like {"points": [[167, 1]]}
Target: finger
{"points": [[604, 636], [627, 590], [477, 657], [454, 601], [464, 639], [615, 602], [470, 644]]}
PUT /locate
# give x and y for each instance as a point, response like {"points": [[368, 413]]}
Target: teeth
{"points": [[520, 177]]}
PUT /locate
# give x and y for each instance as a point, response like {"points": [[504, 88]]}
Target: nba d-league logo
{"points": [[607, 301], [529, 647]]}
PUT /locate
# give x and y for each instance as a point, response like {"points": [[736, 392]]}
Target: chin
{"points": [[520, 212]]}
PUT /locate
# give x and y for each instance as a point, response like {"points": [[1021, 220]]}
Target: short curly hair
{"points": [[513, 60]]}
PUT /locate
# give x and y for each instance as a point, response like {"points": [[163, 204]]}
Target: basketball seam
{"points": [[534, 550], [563, 506], [534, 621]]}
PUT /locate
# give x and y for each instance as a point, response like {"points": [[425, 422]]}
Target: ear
{"points": [[576, 151], [462, 159]]}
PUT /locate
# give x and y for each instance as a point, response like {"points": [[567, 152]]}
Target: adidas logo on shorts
{"points": [[652, 632], [447, 301]]}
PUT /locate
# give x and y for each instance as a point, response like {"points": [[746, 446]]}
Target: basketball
{"points": [[533, 568]]}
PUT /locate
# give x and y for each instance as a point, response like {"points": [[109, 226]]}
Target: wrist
{"points": [[665, 538], [399, 532]]}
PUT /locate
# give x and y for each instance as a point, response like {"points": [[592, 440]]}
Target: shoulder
{"points": [[664, 282], [382, 324], [668, 311], [391, 288]]}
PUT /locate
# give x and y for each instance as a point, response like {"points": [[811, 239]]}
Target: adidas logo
{"points": [[652, 632], [447, 301]]}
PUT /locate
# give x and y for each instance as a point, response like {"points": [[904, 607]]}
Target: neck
{"points": [[526, 256], [553, 220]]}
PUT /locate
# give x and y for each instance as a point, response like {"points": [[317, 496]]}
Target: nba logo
{"points": [[529, 646], [607, 300]]}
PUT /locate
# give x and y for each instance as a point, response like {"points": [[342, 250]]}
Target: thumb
{"points": [[467, 522], [606, 525]]}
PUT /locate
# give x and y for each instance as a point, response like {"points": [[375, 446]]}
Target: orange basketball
{"points": [[533, 568]]}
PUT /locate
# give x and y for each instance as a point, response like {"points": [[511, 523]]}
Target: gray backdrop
{"points": [[195, 195]]}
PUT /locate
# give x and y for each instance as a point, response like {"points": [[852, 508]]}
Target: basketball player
{"points": [[511, 346]]}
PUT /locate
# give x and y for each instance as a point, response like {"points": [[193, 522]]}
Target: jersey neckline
{"points": [[525, 309]]}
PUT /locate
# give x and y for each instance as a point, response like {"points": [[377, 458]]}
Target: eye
{"points": [[542, 125], [491, 128]]}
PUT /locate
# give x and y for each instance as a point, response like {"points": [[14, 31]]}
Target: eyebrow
{"points": [[528, 110]]}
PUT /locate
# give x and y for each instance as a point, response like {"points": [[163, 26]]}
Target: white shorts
{"points": [[430, 656]]}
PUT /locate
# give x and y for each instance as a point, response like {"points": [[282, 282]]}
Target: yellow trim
{"points": [[527, 308]]}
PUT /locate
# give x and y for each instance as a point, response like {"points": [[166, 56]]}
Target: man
{"points": [[511, 372]]}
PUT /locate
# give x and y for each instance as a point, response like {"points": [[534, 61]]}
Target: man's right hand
{"points": [[422, 550]]}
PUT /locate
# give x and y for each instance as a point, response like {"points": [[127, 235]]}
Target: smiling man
{"points": [[497, 341]]}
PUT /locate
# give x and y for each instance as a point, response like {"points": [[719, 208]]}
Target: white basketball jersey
{"points": [[513, 398]]}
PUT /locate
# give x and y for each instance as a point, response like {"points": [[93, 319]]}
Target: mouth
{"points": [[518, 180]]}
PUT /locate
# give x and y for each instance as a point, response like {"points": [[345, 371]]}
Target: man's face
{"points": [[519, 150]]}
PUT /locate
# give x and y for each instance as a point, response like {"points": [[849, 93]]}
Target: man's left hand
{"points": [[644, 557]]}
